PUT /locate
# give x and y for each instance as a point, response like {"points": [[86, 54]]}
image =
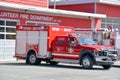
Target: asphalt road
{"points": [[21, 71]]}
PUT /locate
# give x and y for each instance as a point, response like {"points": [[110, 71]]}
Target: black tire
{"points": [[27, 60], [87, 62], [106, 66], [31, 59], [54, 63]]}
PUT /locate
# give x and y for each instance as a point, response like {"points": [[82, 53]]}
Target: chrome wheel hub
{"points": [[32, 58], [86, 62]]}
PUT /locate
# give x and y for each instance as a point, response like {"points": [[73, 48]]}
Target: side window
{"points": [[71, 42], [60, 41]]}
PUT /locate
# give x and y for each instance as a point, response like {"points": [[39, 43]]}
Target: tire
{"points": [[87, 62], [27, 60], [106, 66], [54, 63], [31, 59]]}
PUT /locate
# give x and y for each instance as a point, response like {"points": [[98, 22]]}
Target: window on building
{"points": [[8, 29], [1, 36], [10, 36], [2, 29], [114, 22], [2, 22], [31, 24], [11, 23], [41, 23]]}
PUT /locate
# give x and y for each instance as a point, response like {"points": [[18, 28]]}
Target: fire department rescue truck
{"points": [[54, 44]]}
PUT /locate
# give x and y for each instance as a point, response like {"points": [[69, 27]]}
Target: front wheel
{"points": [[87, 62], [106, 66]]}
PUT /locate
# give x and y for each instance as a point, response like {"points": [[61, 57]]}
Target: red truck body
{"points": [[55, 44]]}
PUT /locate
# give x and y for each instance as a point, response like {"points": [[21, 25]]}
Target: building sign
{"points": [[46, 19], [9, 14], [26, 16]]}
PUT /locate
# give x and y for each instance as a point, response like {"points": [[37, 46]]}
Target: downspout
{"points": [[95, 8], [93, 19], [93, 24]]}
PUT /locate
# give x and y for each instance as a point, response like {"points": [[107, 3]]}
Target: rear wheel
{"points": [[106, 66], [87, 62], [32, 59]]}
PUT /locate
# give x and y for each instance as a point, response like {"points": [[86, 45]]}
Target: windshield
{"points": [[86, 41]]}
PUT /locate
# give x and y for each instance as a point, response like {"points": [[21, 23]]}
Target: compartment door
{"points": [[43, 43], [21, 42]]}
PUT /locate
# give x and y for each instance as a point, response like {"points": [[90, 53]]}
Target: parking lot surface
{"points": [[18, 70]]}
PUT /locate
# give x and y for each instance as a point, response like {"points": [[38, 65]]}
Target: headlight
{"points": [[100, 53], [104, 53], [96, 53]]}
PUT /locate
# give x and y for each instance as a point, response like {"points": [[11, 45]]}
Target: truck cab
{"points": [[75, 49]]}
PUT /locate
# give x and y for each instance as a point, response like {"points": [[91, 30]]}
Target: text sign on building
{"points": [[15, 15]]}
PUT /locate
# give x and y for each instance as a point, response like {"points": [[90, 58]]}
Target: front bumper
{"points": [[106, 60]]}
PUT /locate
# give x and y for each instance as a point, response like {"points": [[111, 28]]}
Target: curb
{"points": [[117, 63]]}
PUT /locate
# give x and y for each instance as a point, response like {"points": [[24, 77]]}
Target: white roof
{"points": [[111, 2], [68, 2], [46, 11]]}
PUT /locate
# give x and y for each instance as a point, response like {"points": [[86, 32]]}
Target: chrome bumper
{"points": [[106, 60]]}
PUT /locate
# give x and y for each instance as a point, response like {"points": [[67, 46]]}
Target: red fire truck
{"points": [[54, 44]]}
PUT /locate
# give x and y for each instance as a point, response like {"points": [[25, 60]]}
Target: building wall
{"points": [[109, 10], [88, 7], [74, 22], [37, 3], [112, 12]]}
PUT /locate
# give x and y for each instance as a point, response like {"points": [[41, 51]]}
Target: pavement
{"points": [[116, 64]]}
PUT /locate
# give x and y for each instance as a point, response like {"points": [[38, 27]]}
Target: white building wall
{"points": [[7, 38]]}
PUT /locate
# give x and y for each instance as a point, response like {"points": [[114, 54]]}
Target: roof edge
{"points": [[71, 2], [111, 2], [53, 12]]}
